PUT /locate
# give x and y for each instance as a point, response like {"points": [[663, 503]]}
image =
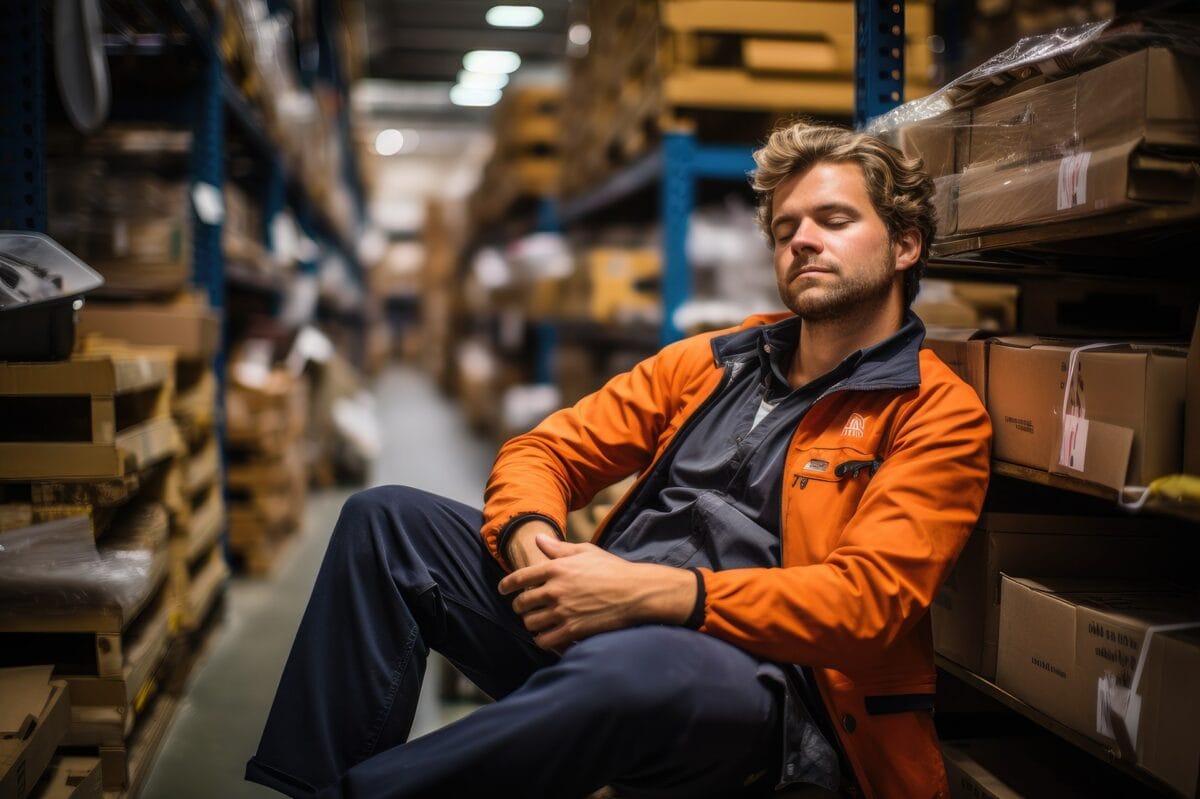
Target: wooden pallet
{"points": [[206, 582], [815, 37], [104, 707], [203, 466], [28, 503], [722, 69], [195, 405], [95, 416], [197, 560]]}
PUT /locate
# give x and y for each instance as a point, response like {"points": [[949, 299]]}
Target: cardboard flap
{"points": [[24, 693], [1104, 455]]}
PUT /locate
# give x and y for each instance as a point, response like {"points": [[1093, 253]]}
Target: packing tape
{"points": [[1119, 709]]}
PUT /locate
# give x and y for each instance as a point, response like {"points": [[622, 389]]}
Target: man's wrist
{"points": [[509, 531]]}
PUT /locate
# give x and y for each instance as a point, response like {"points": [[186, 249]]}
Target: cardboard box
{"points": [[1191, 424], [1037, 123], [72, 777], [966, 610], [1133, 399], [964, 350], [1151, 96], [1071, 648], [625, 284], [1086, 183], [942, 142], [34, 715], [188, 325], [1010, 768], [945, 204]]}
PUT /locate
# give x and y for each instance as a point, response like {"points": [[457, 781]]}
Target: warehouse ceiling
{"points": [[414, 56], [425, 41]]}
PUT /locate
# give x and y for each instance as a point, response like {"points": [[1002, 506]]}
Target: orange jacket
{"points": [[862, 555]]}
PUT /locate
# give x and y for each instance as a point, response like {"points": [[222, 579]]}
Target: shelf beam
{"points": [[1094, 748]]}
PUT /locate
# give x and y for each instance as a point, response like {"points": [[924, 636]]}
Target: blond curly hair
{"points": [[899, 189]]}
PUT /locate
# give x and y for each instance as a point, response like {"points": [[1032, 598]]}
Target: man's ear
{"points": [[906, 246]]}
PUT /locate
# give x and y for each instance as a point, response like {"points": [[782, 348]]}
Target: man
{"points": [[752, 614]]}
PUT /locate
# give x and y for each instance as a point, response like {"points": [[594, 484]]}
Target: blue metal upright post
{"points": [[23, 118], [208, 170], [879, 61], [678, 199]]}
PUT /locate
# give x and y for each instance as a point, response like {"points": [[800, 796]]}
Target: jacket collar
{"points": [[891, 364]]}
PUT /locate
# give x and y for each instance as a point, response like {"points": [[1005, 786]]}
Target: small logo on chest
{"points": [[856, 426]]}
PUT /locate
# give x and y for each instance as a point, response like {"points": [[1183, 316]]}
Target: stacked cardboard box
{"points": [[966, 612], [1123, 423], [34, 714], [1118, 137], [267, 478], [1115, 660], [122, 204]]}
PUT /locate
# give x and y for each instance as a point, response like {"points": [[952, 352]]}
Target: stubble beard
{"points": [[848, 298]]}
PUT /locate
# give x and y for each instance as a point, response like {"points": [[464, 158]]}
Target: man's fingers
{"points": [[529, 600], [523, 578], [540, 621], [554, 547]]}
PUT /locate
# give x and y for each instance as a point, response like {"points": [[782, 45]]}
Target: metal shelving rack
{"points": [[215, 100]]}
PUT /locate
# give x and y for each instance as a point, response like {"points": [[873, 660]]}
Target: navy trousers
{"points": [[659, 711]]}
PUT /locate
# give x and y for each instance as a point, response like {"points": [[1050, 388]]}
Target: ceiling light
{"points": [[389, 142], [579, 34], [503, 61], [514, 16], [464, 95], [482, 80]]}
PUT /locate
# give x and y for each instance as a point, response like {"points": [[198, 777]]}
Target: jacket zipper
{"points": [[671, 447], [854, 467]]}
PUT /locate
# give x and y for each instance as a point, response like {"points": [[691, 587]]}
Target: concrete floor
{"points": [[221, 715]]}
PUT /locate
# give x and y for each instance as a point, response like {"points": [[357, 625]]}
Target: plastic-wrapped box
{"points": [[40, 283]]}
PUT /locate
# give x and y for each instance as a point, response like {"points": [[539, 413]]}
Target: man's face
{"points": [[833, 256]]}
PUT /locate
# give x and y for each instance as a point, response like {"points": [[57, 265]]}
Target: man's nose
{"points": [[807, 238]]}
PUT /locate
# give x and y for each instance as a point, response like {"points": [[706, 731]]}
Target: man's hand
{"points": [[581, 590]]}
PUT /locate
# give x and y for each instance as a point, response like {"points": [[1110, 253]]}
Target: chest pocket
{"points": [[832, 466]]}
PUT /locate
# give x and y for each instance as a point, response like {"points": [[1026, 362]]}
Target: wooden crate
{"points": [[96, 416]]}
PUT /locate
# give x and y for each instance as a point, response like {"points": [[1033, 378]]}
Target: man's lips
{"points": [[809, 269]]}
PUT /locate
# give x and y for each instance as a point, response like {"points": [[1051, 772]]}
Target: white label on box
{"points": [[1072, 180], [1117, 707], [1074, 442]]}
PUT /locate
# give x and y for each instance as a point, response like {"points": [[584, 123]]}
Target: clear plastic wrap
{"points": [[1082, 122], [1043, 58], [56, 568]]}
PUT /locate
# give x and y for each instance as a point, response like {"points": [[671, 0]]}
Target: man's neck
{"points": [[825, 344]]}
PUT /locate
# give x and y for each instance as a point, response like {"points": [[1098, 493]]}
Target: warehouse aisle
{"points": [[221, 715]]}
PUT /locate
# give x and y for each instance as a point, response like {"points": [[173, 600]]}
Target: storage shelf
{"points": [[1187, 511], [639, 175], [1109, 755], [1086, 236]]}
